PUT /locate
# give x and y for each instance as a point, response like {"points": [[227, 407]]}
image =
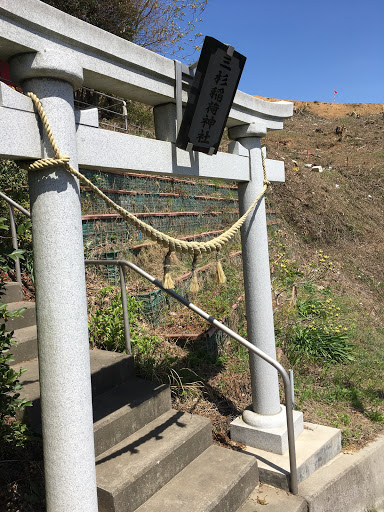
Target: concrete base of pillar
{"points": [[315, 447], [269, 438]]}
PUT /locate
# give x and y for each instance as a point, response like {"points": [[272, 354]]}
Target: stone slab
{"points": [[266, 498], [273, 440], [315, 447], [217, 481]]}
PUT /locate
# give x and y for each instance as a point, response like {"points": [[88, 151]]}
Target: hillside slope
{"points": [[340, 210]]}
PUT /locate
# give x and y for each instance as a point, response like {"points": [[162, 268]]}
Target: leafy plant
{"points": [[12, 431], [317, 343], [106, 328], [5, 263]]}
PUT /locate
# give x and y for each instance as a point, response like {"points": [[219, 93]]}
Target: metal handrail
{"points": [[288, 383], [12, 204], [238, 338]]}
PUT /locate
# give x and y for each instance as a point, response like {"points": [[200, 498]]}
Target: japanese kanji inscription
{"points": [[217, 77]]}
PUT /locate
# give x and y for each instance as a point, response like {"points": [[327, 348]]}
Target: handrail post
{"points": [[293, 477], [127, 334], [14, 241]]}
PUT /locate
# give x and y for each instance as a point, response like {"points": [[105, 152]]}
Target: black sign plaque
{"points": [[210, 99]]}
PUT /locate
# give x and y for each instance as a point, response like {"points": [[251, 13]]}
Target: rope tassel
{"points": [[194, 286], [220, 276], [168, 281]]}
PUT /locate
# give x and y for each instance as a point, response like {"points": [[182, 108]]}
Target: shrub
{"points": [[12, 431]]}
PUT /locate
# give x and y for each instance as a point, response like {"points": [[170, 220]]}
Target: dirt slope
{"points": [[334, 110], [340, 210]]}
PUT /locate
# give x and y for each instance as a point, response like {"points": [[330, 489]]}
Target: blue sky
{"points": [[304, 50]]}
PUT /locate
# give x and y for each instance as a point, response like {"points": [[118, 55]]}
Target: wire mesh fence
{"points": [[116, 232], [151, 184], [143, 202]]}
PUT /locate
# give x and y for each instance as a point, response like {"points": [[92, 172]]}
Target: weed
{"points": [[375, 415], [106, 329], [152, 360], [317, 343]]}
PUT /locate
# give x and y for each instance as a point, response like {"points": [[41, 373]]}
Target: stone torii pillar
{"points": [[264, 424], [62, 323]]}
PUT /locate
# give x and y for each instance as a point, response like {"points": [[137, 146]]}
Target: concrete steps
{"points": [[132, 471], [24, 326], [216, 481], [142, 444], [148, 456], [125, 409], [108, 370]]}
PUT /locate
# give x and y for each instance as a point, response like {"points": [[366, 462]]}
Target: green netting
{"points": [[110, 272], [117, 232], [153, 184], [214, 343], [152, 305], [143, 202]]}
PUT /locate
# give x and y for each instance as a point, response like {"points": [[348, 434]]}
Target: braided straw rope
{"points": [[173, 244]]}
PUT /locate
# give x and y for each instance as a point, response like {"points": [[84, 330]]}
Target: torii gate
{"points": [[51, 54]]}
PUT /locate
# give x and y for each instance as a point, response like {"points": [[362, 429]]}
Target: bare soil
{"points": [[333, 110]]}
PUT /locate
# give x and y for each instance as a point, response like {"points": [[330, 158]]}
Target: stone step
{"points": [[12, 292], [124, 409], [266, 498], [219, 480], [27, 319], [26, 347], [136, 468], [108, 369]]}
